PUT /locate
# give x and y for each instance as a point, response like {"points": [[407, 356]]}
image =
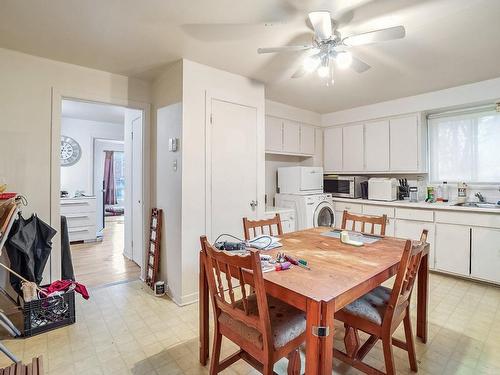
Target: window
{"points": [[465, 147], [118, 159]]}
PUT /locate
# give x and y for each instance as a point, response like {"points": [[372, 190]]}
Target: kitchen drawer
{"points": [[82, 233], [469, 218], [77, 206], [83, 219], [354, 208], [373, 210], [413, 214]]}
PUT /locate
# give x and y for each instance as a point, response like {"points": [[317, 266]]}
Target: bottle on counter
{"points": [[445, 192], [439, 194], [462, 192]]}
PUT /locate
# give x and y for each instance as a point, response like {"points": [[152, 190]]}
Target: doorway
{"points": [[101, 190]]}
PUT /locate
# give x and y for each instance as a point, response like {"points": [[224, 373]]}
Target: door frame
{"points": [[233, 98], [58, 95]]}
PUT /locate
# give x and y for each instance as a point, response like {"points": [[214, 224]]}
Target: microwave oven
{"points": [[300, 180], [343, 186]]}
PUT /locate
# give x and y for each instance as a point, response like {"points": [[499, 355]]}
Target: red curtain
{"points": [[109, 179]]}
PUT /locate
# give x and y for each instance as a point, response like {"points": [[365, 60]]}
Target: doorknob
{"points": [[253, 204]]}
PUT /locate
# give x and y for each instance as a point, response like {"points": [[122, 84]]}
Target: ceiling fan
{"points": [[329, 48]]}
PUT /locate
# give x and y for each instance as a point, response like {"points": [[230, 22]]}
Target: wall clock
{"points": [[70, 151]]}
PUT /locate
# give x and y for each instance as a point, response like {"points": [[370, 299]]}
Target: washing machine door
{"points": [[324, 215]]}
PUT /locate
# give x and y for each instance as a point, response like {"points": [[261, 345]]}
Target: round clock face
{"points": [[70, 151]]}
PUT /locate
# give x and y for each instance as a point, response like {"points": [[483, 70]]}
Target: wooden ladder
{"points": [[153, 252]]}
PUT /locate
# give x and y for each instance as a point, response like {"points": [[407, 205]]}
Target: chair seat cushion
{"points": [[371, 306], [287, 322]]}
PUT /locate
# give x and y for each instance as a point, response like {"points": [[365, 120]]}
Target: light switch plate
{"points": [[173, 144]]}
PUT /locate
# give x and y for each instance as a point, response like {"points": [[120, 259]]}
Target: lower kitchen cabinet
{"points": [[413, 230], [485, 254], [453, 248]]}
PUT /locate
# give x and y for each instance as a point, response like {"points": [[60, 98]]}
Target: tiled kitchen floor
{"points": [[123, 329]]}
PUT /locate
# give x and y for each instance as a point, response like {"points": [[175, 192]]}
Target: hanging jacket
{"points": [[28, 247]]}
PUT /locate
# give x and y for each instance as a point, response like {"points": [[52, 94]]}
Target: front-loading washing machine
{"points": [[315, 210]]}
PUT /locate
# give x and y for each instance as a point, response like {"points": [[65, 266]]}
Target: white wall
{"points": [[475, 93], [292, 113], [80, 176], [26, 84], [167, 111], [197, 80]]}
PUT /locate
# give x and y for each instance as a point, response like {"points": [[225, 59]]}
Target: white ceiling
{"points": [[93, 111], [448, 43]]}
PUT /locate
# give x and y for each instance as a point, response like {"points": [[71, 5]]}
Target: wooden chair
{"points": [[262, 224], [380, 312], [264, 328], [33, 368], [363, 219]]}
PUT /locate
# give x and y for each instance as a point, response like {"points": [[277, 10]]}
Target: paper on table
{"points": [[353, 236], [265, 242]]}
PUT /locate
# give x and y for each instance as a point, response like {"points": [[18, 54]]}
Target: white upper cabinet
{"points": [[353, 148], [377, 146], [291, 137], [332, 149], [404, 143], [274, 134], [307, 139], [396, 144]]}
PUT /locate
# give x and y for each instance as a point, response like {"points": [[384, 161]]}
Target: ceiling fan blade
{"points": [[321, 22], [284, 49], [359, 65], [396, 32]]}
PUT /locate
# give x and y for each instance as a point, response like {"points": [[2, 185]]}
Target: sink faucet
{"points": [[480, 197]]}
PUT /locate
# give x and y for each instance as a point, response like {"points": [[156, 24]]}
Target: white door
{"points": [[453, 248], [404, 143], [307, 140], [352, 148], [291, 137], [485, 255], [137, 204], [377, 146], [332, 149], [231, 166], [412, 230], [274, 134]]}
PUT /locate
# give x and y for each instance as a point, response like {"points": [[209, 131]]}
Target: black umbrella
{"points": [[28, 247]]}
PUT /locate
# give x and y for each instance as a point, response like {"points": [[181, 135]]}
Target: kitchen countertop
{"points": [[420, 205]]}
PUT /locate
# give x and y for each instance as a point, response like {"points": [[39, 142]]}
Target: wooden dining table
{"points": [[338, 275]]}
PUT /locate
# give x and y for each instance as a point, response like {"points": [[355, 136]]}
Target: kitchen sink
{"points": [[478, 205]]}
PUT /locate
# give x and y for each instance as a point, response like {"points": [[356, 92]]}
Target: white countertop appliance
{"points": [[343, 186], [383, 189], [300, 180], [312, 211]]}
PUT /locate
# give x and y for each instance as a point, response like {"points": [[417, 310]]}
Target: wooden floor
{"points": [[100, 263]]}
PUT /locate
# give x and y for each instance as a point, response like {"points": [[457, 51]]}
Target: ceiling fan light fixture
{"points": [[323, 71], [344, 59], [311, 63]]}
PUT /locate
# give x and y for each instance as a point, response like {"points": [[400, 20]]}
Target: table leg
{"points": [[313, 316], [319, 339], [327, 311], [423, 298], [203, 306]]}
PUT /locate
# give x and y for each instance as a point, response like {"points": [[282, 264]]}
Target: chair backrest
{"points": [[406, 276], [363, 219], [258, 227], [222, 269]]}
